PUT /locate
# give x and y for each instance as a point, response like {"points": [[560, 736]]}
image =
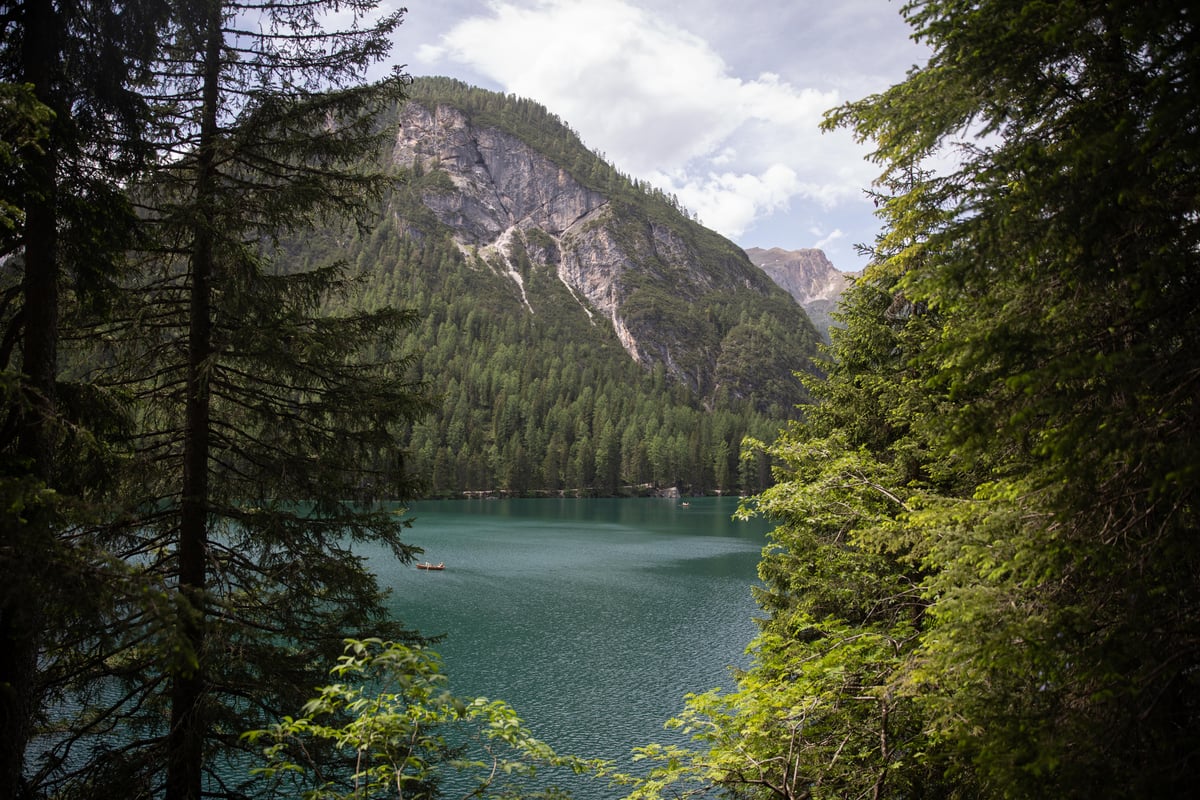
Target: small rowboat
{"points": [[427, 565]]}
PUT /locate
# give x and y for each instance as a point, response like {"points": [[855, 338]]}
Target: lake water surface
{"points": [[592, 618]]}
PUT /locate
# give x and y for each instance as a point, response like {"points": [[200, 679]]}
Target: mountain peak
{"points": [[809, 277], [520, 196]]}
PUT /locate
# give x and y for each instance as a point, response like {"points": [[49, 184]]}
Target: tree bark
{"points": [[185, 742], [27, 535]]}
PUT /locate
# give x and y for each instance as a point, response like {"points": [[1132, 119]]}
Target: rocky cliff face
{"points": [[643, 268], [809, 277], [502, 185]]}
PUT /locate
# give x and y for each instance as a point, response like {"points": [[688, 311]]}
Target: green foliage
{"points": [[984, 581], [1056, 258], [258, 428], [25, 128], [526, 393], [401, 733]]}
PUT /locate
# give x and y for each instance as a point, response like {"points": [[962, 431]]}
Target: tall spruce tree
{"points": [[261, 437], [1007, 442], [1060, 254], [73, 130]]}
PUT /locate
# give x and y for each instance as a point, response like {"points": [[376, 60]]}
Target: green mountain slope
{"points": [[581, 333]]}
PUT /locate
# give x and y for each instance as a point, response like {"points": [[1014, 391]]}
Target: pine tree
{"points": [[263, 438], [73, 130], [984, 581]]}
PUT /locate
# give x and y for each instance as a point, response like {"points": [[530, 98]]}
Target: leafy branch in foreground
{"points": [[401, 733]]}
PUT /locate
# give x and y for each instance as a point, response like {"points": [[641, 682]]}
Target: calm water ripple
{"points": [[592, 618]]}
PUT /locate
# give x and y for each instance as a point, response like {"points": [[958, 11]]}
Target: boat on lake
{"points": [[427, 565]]}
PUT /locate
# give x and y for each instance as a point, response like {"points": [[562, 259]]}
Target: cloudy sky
{"points": [[716, 102]]}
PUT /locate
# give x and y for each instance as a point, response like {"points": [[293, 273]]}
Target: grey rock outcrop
{"points": [[639, 275], [809, 277], [501, 183]]}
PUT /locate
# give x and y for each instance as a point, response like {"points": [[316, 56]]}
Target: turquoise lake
{"points": [[592, 618]]}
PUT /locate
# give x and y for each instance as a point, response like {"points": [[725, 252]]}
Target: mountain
{"points": [[809, 277], [676, 294], [582, 333]]}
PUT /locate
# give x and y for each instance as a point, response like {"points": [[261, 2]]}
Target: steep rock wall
{"points": [[809, 277], [643, 268]]}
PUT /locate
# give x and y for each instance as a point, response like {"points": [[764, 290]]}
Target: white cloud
{"points": [[662, 104], [729, 202], [826, 241], [637, 87]]}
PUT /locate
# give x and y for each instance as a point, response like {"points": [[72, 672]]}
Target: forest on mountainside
{"points": [[535, 395], [546, 401], [549, 403]]}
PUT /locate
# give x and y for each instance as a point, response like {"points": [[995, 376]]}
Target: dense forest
{"points": [[984, 579], [549, 402], [534, 396]]}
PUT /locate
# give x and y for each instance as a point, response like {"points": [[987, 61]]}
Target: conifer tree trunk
{"points": [[20, 610], [186, 739], [40, 281]]}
